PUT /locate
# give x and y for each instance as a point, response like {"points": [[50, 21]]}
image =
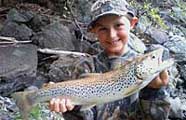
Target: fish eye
{"points": [[153, 57]]}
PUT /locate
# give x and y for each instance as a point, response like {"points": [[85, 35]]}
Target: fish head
{"points": [[146, 68], [151, 63]]}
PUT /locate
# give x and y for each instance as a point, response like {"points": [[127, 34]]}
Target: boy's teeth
{"points": [[113, 42]]}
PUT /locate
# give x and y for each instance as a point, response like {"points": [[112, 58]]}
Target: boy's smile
{"points": [[113, 32]]}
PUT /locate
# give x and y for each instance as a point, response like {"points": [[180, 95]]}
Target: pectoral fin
{"points": [[131, 90], [87, 107]]}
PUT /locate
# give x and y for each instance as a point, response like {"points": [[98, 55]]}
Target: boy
{"points": [[111, 23]]}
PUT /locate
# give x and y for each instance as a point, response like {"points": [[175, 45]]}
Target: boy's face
{"points": [[113, 33]]}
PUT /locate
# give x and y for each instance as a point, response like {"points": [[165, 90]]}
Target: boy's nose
{"points": [[113, 33]]}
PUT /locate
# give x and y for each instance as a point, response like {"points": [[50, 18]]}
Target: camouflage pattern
{"points": [[105, 7], [149, 104], [153, 104]]}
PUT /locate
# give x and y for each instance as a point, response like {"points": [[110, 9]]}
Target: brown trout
{"points": [[97, 89]]}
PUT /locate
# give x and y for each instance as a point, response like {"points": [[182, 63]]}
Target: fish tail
{"points": [[24, 102]]}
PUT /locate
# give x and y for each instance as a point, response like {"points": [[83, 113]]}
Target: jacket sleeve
{"points": [[153, 94]]}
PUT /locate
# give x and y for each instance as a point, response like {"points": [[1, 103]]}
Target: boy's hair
{"points": [[105, 7]]}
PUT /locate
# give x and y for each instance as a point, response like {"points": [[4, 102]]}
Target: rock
{"points": [[178, 107], [176, 45], [182, 70], [183, 30], [178, 14], [19, 17], [7, 108], [174, 77], [18, 66], [161, 3], [143, 24], [136, 44], [38, 22], [41, 79], [54, 35], [177, 31], [19, 31], [10, 2], [175, 107], [158, 36]]}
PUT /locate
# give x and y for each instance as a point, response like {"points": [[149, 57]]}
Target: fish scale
{"points": [[97, 89]]}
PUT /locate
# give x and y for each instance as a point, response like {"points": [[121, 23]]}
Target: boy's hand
{"points": [[159, 81], [60, 105]]}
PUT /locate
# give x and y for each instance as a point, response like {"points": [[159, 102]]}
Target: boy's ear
{"points": [[133, 22], [92, 30]]}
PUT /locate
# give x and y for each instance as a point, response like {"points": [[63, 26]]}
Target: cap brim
{"points": [[92, 23]]}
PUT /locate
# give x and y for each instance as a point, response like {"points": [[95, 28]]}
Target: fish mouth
{"points": [[143, 83], [165, 64], [162, 66]]}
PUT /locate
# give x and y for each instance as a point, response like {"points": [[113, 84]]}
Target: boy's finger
{"points": [[56, 105], [63, 105], [51, 104], [69, 105]]}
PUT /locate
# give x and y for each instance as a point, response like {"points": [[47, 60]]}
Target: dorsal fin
{"points": [[87, 75]]}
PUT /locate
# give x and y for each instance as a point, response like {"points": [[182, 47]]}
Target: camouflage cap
{"points": [[105, 7]]}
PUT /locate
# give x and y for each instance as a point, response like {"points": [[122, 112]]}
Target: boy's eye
{"points": [[102, 29], [119, 25]]}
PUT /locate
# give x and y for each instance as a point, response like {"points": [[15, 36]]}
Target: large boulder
{"points": [[54, 35], [18, 66], [19, 31]]}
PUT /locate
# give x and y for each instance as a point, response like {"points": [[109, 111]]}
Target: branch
{"points": [[11, 40], [73, 17], [51, 51], [76, 23]]}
